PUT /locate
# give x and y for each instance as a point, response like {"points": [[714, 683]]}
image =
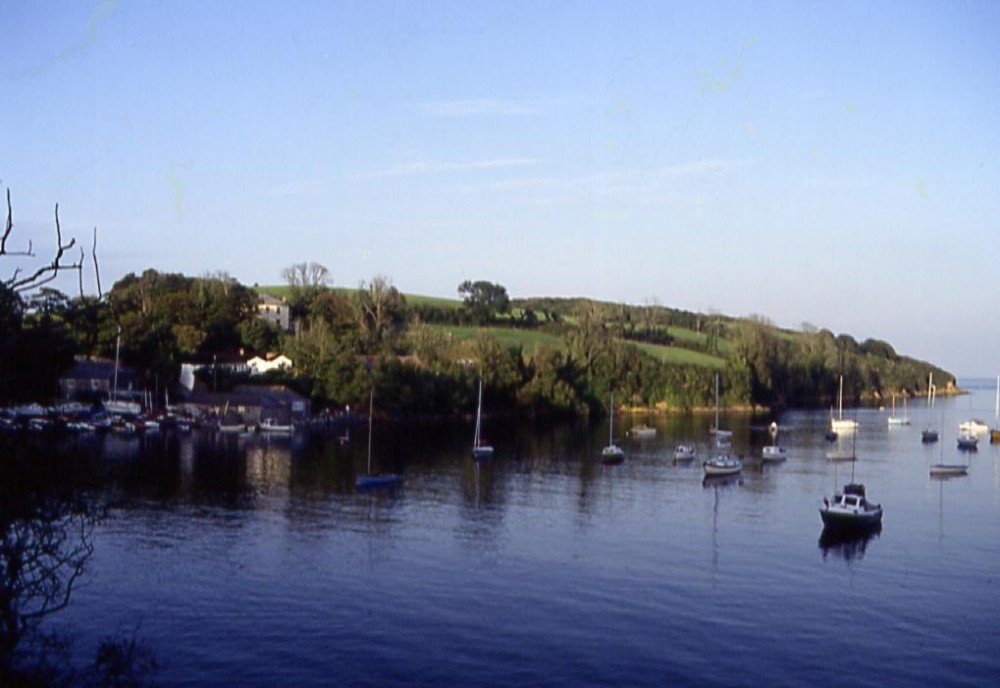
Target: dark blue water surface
{"points": [[252, 561]]}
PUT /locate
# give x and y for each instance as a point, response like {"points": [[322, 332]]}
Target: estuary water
{"points": [[252, 561]]}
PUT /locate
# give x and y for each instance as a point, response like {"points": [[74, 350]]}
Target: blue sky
{"points": [[829, 163]]}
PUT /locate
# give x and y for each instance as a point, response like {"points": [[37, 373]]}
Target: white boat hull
{"points": [[773, 452], [612, 454], [849, 510], [722, 465], [643, 432], [843, 425], [118, 407], [482, 452], [684, 452], [835, 518], [973, 427], [949, 469]]}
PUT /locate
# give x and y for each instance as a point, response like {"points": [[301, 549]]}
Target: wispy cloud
{"points": [[419, 167], [476, 107], [97, 20], [656, 185], [620, 181], [704, 166]]}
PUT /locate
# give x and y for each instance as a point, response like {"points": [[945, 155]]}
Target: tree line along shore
{"points": [[536, 356]]}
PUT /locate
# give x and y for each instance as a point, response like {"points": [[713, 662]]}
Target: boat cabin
{"points": [[849, 501], [853, 498]]}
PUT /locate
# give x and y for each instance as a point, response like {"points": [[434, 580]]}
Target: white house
{"points": [[259, 366], [274, 310]]}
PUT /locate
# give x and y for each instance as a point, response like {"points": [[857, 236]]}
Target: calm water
{"points": [[252, 562]]}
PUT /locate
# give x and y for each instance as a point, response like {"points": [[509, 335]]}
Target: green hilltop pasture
{"points": [[680, 356], [673, 352], [526, 340]]}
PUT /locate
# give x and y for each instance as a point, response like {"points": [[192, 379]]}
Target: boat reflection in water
{"points": [[846, 544], [722, 480]]}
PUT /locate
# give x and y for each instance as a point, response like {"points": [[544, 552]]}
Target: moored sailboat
{"points": [[850, 511], [968, 441], [114, 405], [948, 470], [722, 437], [684, 453], [841, 424], [642, 432], [773, 451], [721, 465], [612, 453], [929, 433], [369, 480], [898, 420], [480, 449]]}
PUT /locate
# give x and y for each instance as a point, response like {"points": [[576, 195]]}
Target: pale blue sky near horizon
{"points": [[826, 163]]}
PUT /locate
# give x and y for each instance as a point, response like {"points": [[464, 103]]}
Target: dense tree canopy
{"points": [[345, 341], [305, 282], [484, 300]]}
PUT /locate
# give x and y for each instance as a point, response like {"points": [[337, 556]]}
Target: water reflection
{"points": [[481, 514], [718, 484], [846, 545], [478, 483], [718, 481], [941, 480]]}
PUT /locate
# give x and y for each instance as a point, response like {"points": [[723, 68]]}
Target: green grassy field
{"points": [[281, 291], [437, 301], [528, 340], [679, 356]]}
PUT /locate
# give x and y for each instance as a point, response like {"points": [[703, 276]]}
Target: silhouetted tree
{"points": [[484, 300], [381, 310]]}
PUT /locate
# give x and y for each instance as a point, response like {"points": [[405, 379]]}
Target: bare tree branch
{"points": [[97, 268], [45, 273], [42, 556]]}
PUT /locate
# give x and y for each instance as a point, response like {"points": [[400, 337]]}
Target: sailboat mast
{"points": [[118, 342], [840, 400], [716, 402], [479, 411]]}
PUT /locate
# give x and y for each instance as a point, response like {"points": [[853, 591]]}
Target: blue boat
{"points": [[373, 482]]}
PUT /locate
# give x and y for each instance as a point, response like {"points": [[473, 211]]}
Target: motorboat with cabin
{"points": [[850, 510], [684, 452], [721, 465], [773, 452], [973, 426], [968, 441], [642, 431]]}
